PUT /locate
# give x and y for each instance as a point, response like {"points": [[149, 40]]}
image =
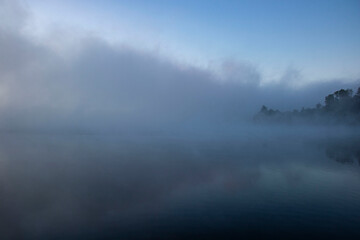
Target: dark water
{"points": [[297, 185]]}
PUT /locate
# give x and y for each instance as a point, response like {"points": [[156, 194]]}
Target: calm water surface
{"points": [[160, 187]]}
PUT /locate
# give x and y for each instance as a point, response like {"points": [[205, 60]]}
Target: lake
{"points": [[263, 182]]}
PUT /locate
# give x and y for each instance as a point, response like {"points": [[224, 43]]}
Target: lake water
{"points": [[296, 184]]}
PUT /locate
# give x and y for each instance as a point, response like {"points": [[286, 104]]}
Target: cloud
{"points": [[13, 15], [100, 85], [241, 72]]}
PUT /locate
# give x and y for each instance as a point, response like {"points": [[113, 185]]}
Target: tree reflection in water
{"points": [[347, 152]]}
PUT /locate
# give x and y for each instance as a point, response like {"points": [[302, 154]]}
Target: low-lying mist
{"points": [[105, 141], [106, 187], [91, 86]]}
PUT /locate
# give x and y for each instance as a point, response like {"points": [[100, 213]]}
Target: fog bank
{"points": [[79, 82]]}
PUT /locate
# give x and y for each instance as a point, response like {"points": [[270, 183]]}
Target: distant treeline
{"points": [[340, 107]]}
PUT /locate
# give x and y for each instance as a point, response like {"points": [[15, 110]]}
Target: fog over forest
{"points": [[77, 81], [105, 138]]}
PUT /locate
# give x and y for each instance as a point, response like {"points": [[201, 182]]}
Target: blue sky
{"points": [[320, 39]]}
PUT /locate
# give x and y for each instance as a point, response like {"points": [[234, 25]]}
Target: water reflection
{"points": [[345, 151], [101, 187]]}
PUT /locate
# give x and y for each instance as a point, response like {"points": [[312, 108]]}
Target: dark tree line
{"points": [[340, 107]]}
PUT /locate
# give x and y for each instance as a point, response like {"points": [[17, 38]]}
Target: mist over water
{"points": [[105, 141], [269, 183]]}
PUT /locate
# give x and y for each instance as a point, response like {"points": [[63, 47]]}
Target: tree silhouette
{"points": [[340, 107]]}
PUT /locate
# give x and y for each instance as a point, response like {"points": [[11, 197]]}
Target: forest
{"points": [[341, 107]]}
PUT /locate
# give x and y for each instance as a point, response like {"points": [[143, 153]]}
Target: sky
{"points": [[318, 38], [90, 64]]}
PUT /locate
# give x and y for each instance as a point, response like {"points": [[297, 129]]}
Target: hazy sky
{"points": [[106, 63], [318, 38]]}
